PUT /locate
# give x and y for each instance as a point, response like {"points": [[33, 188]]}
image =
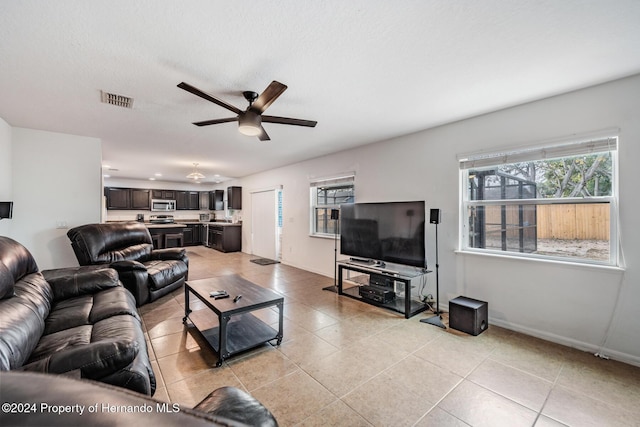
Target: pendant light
{"points": [[195, 175]]}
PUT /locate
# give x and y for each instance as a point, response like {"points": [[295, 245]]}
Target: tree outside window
{"points": [[559, 207]]}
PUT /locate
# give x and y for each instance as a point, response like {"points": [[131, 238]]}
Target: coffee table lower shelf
{"points": [[244, 332]]}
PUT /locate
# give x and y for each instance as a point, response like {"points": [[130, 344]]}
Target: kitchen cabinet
{"points": [[225, 238], [118, 198], [163, 194], [128, 198], [140, 199], [187, 236], [187, 200], [192, 234], [234, 197], [216, 200]]}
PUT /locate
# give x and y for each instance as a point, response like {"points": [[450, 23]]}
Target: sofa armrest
{"points": [[169, 254], [236, 405], [93, 360], [128, 265], [72, 282], [134, 277]]}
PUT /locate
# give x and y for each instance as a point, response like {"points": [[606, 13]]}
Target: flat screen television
{"points": [[386, 232], [6, 209]]}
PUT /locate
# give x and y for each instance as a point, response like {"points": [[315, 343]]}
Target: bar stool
{"points": [[178, 238]]}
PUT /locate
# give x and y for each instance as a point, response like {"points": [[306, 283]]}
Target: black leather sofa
{"points": [[127, 247], [79, 322], [41, 400]]}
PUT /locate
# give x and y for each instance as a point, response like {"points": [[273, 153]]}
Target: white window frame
{"points": [[346, 179], [593, 143]]}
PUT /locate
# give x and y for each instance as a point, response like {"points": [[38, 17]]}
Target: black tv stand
{"points": [[367, 261], [401, 304]]}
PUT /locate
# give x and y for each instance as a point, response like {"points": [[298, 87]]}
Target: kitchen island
{"points": [[224, 236]]}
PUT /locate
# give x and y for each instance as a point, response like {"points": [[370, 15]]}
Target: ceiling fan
{"points": [[250, 120]]}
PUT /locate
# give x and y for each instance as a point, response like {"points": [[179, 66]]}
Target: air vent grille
{"points": [[117, 100]]}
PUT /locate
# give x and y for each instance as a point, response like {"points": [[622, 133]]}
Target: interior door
{"points": [[263, 224]]}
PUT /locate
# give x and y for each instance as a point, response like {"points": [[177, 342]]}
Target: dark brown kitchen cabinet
{"points": [[187, 236], [163, 194], [128, 198], [216, 200], [225, 238], [192, 234], [118, 198], [187, 200], [140, 199], [234, 197]]}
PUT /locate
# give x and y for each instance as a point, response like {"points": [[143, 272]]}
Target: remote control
{"points": [[221, 296], [217, 293]]}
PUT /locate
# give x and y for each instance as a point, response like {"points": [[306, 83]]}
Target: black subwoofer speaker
{"points": [[468, 315]]}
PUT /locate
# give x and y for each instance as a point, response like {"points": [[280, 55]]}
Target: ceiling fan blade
{"points": [[215, 121], [208, 97], [289, 121], [263, 135], [266, 98]]}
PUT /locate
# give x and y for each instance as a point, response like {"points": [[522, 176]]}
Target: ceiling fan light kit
{"points": [[250, 123], [250, 120]]}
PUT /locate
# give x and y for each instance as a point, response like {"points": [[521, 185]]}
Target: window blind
{"points": [[541, 152], [347, 178]]}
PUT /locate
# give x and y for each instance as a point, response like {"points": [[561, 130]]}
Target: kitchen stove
{"points": [[161, 219]]}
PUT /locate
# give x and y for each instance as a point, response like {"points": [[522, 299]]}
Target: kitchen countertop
{"points": [[171, 225], [184, 222]]}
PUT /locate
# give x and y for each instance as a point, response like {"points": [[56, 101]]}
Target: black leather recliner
{"points": [[127, 247], [78, 322]]}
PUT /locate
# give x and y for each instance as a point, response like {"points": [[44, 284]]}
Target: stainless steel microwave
{"points": [[163, 205]]}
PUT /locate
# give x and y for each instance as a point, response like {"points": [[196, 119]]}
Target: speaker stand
{"points": [[437, 319], [334, 288]]}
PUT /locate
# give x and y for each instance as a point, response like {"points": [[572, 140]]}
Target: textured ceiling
{"points": [[365, 70]]}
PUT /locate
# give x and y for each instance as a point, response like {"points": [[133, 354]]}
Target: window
{"points": [[552, 202], [327, 195]]}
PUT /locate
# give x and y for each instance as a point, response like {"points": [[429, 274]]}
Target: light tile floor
{"points": [[346, 363]]}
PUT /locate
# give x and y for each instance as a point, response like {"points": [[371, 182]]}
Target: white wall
{"points": [[574, 305], [56, 179], [6, 192]]}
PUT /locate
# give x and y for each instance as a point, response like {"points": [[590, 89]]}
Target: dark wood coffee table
{"points": [[234, 329]]}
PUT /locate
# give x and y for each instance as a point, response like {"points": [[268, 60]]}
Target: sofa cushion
{"points": [[60, 341], [90, 309], [67, 314], [104, 347], [73, 281], [165, 272]]}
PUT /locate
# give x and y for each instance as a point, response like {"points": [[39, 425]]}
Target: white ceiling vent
{"points": [[118, 100]]}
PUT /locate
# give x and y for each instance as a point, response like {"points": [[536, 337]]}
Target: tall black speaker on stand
{"points": [[335, 216], [434, 218]]}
